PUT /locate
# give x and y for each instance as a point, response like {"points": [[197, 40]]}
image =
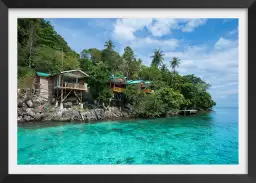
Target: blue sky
{"points": [[207, 48]]}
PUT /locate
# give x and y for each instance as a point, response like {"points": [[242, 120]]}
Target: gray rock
{"points": [[30, 112], [109, 115], [172, 113], [20, 102], [125, 114], [99, 114], [20, 119], [29, 103], [55, 118], [89, 115], [24, 107], [67, 104], [53, 101], [28, 118], [38, 116], [20, 112], [67, 115], [36, 103], [47, 116], [76, 116]]}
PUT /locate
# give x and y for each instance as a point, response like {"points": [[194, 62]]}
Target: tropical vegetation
{"points": [[41, 48]]}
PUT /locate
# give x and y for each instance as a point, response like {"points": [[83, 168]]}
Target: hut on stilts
{"points": [[62, 85]]}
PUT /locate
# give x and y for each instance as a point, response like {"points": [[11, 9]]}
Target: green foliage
{"points": [[171, 99], [174, 63], [111, 58], [159, 103], [157, 58], [198, 98], [41, 48], [133, 94], [151, 73], [25, 78], [105, 95], [99, 78], [131, 66], [150, 106], [109, 45], [93, 55]]}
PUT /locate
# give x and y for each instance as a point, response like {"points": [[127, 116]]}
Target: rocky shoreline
{"points": [[34, 110]]}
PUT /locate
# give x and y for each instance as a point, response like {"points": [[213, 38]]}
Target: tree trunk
{"points": [[31, 44], [103, 104]]}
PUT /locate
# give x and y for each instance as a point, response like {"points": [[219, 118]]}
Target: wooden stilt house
{"points": [[62, 85]]}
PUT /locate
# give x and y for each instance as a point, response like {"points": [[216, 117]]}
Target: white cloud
{"points": [[224, 85], [225, 43], [124, 29], [192, 24], [149, 42], [162, 26]]}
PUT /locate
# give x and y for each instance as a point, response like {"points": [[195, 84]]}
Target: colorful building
{"points": [[119, 83]]}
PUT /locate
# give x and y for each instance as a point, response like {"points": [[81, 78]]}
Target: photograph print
{"points": [[128, 91]]}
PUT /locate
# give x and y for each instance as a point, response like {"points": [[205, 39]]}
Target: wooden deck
{"points": [[70, 88]]}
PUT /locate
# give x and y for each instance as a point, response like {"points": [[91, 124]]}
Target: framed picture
{"points": [[119, 91]]}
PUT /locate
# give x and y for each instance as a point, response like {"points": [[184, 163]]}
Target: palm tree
{"points": [[109, 45], [175, 62], [158, 58]]}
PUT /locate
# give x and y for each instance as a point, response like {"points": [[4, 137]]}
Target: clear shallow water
{"points": [[206, 139]]}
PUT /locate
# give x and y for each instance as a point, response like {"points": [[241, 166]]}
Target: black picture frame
{"points": [[6, 4]]}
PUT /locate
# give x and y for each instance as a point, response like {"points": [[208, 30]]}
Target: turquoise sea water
{"points": [[205, 139]]}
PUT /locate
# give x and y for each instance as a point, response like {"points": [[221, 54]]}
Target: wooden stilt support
{"points": [[82, 100], [67, 95], [61, 99]]}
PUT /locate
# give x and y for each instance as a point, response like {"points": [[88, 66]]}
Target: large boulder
{"points": [[30, 112], [29, 103], [99, 113], [76, 116]]}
